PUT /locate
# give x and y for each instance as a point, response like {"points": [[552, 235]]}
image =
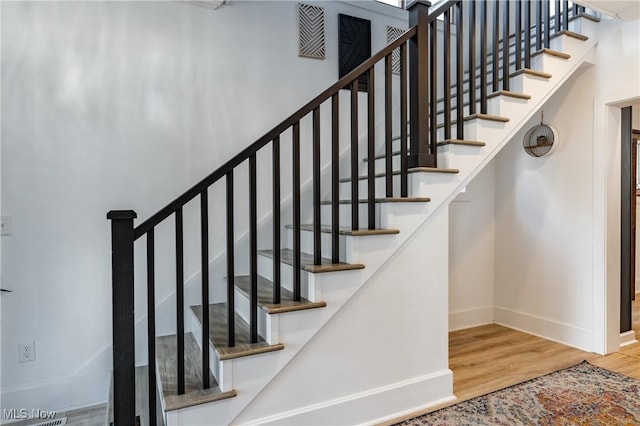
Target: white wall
{"points": [[543, 224], [124, 105], [471, 252]]}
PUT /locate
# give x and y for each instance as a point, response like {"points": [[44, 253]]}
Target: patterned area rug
{"points": [[580, 395]]}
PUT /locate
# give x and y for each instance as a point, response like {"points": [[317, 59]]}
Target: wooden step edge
{"points": [[432, 170], [238, 352], [350, 232], [570, 34], [508, 94], [386, 200], [410, 170], [307, 264], [460, 142], [551, 52], [487, 117], [265, 298], [531, 72], [176, 402]]}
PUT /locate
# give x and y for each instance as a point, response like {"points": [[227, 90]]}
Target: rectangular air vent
{"points": [[57, 422]]}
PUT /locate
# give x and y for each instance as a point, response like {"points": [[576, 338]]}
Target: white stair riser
{"points": [[527, 83], [477, 130], [345, 214], [363, 185], [504, 106], [267, 324], [309, 283], [306, 242], [454, 156]]}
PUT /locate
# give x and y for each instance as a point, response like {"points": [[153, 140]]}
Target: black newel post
{"points": [[419, 152], [124, 388]]}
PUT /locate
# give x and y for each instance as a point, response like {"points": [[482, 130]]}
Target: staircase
{"points": [[237, 361]]}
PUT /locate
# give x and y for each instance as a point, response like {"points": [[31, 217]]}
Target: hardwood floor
{"points": [[491, 357]]}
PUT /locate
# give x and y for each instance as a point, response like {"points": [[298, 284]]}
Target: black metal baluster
{"points": [[151, 325], [538, 25], [460, 71], [388, 124], [371, 151], [565, 15], [404, 159], [556, 18], [472, 58], [527, 34], [253, 249], [204, 231], [518, 35], [317, 236], [179, 301], [447, 74], [496, 47], [432, 127], [296, 212], [547, 30], [335, 178], [483, 57], [354, 156], [575, 10], [276, 220], [505, 46], [231, 319]]}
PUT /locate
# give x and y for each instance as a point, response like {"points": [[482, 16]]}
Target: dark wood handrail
{"points": [[212, 178]]}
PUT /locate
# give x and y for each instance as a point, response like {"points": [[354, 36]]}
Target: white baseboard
{"points": [[372, 406], [567, 334], [468, 318], [628, 338]]}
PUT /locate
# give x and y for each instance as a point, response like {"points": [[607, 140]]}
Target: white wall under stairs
{"points": [[382, 339]]}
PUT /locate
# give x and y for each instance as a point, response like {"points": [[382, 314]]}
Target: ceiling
{"points": [[629, 10]]}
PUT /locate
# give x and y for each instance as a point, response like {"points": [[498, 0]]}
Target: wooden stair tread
{"points": [[385, 200], [432, 170], [218, 334], [531, 72], [410, 170], [509, 94], [349, 231], [306, 262], [265, 296], [461, 142], [166, 355], [570, 34], [547, 51], [487, 117]]}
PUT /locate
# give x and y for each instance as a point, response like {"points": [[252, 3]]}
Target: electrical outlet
{"points": [[5, 225], [27, 352]]}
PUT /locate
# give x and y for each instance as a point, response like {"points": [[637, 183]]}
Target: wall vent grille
{"points": [[392, 35], [311, 31], [57, 422]]}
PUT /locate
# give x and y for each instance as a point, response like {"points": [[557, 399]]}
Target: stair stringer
{"points": [[251, 375]]}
